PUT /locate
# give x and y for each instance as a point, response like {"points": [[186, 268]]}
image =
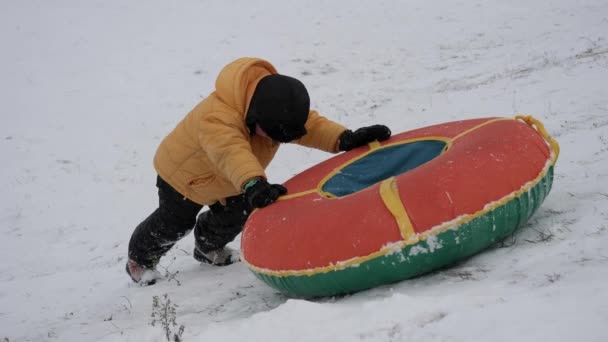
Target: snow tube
{"points": [[393, 210]]}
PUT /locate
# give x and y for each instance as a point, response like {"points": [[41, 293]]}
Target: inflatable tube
{"points": [[390, 211]]}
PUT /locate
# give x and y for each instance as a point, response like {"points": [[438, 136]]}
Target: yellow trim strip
{"points": [[479, 126], [538, 126], [297, 194], [338, 266], [374, 145], [390, 196]]}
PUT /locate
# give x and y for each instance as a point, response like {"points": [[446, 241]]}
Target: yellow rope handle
{"points": [[391, 198], [538, 126]]}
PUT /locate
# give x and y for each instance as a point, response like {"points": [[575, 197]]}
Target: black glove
{"points": [[362, 136], [260, 193]]}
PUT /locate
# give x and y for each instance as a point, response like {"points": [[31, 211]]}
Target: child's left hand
{"points": [[365, 135]]}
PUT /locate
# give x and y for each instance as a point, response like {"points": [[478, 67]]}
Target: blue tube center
{"points": [[382, 164]]}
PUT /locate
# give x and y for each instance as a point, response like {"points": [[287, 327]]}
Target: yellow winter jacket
{"points": [[211, 154]]}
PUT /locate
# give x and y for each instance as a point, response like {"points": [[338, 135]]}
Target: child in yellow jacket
{"points": [[216, 157]]}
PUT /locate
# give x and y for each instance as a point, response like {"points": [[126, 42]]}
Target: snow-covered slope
{"points": [[88, 89]]}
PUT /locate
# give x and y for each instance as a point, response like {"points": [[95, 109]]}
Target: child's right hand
{"points": [[260, 193]]}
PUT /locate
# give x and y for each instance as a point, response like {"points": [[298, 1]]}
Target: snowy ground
{"points": [[88, 89]]}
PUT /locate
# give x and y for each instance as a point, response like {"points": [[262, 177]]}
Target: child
{"points": [[216, 156]]}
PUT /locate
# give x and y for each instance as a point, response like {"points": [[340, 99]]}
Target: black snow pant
{"points": [[176, 217]]}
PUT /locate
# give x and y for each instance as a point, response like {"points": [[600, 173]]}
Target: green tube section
{"points": [[444, 249]]}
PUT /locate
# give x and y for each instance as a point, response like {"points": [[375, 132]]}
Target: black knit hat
{"points": [[280, 106]]}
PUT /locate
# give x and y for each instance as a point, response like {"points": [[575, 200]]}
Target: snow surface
{"points": [[89, 88]]}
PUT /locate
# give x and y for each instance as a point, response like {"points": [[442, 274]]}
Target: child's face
{"points": [[282, 132], [259, 131]]}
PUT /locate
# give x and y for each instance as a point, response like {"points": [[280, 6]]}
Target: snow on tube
{"points": [[393, 210]]}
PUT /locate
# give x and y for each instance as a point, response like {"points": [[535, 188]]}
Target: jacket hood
{"points": [[237, 81]]}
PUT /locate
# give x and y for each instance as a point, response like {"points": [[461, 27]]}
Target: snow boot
{"points": [[142, 275], [219, 257]]}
